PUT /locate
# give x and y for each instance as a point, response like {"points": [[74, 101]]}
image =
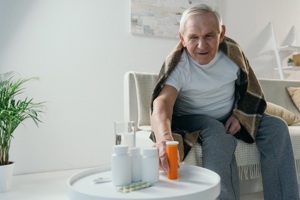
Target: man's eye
{"points": [[210, 36]]}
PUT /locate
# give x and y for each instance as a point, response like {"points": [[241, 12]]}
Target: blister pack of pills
{"points": [[133, 187]]}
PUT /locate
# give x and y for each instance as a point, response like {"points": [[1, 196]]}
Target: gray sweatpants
{"points": [[273, 142]]}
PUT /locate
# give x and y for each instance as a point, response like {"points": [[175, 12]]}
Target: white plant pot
{"points": [[6, 172]]}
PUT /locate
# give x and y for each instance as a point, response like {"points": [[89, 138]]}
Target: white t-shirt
{"points": [[204, 89]]}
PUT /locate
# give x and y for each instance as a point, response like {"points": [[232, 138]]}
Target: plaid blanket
{"points": [[249, 103]]}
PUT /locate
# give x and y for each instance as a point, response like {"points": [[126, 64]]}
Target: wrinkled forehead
{"points": [[202, 24], [200, 12]]}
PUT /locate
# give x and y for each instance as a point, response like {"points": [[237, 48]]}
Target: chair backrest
{"points": [[138, 88]]}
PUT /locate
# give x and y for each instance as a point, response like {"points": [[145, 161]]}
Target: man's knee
{"points": [[279, 125], [271, 128], [217, 137]]}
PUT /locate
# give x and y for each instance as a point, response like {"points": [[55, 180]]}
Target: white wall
{"points": [[248, 23], [81, 49]]}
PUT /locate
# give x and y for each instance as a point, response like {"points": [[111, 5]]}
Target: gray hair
{"points": [[199, 9]]}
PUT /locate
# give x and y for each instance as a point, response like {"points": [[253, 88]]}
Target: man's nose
{"points": [[202, 43]]}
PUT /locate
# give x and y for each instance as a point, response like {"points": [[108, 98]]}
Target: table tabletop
{"points": [[194, 183]]}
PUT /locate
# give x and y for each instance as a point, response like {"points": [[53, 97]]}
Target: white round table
{"points": [[194, 183]]}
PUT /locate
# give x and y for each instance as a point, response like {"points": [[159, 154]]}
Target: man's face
{"points": [[202, 37]]}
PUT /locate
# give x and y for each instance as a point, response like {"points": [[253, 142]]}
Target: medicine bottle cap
{"points": [[134, 150], [172, 143], [120, 149], [150, 151]]}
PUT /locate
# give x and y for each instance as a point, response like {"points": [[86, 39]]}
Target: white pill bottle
{"points": [[120, 165], [150, 165], [136, 164]]}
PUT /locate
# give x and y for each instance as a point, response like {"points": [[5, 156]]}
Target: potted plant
{"points": [[290, 62], [14, 110]]}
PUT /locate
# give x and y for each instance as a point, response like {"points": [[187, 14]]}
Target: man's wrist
{"points": [[165, 138]]}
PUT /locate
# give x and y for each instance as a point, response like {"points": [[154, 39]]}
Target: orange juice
{"points": [[172, 154]]}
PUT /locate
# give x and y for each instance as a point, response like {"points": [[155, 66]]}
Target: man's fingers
{"points": [[164, 164], [163, 160]]}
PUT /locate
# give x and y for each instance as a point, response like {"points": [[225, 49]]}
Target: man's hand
{"points": [[163, 159], [161, 119], [232, 125]]}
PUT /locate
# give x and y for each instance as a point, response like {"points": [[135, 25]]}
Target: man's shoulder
{"points": [[229, 46], [229, 40], [183, 66]]}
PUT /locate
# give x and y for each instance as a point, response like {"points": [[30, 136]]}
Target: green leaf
{"points": [[15, 110]]}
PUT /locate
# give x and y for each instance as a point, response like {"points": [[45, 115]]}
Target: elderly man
{"points": [[207, 84]]}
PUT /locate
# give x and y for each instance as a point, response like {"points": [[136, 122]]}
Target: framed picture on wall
{"points": [[161, 17]]}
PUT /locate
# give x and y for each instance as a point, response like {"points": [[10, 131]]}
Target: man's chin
{"points": [[202, 62]]}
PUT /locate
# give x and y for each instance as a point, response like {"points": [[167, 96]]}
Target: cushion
{"points": [[294, 93], [283, 113], [145, 83]]}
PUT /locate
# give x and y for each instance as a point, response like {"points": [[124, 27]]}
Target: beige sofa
{"points": [[137, 92]]}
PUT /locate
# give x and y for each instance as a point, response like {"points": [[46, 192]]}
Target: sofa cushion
{"points": [[289, 117], [294, 93]]}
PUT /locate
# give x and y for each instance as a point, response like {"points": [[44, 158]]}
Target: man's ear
{"points": [[181, 39], [222, 35]]}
